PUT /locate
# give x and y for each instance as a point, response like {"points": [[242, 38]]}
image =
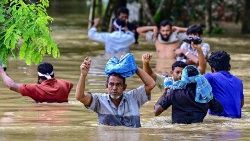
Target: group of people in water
{"points": [[185, 85]]}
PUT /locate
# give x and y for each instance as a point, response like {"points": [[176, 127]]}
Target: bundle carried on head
{"points": [[190, 74], [125, 66]]}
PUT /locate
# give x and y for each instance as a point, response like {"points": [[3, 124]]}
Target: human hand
{"points": [[196, 46], [155, 32], [176, 29], [146, 58], [179, 51], [85, 66], [96, 22]]}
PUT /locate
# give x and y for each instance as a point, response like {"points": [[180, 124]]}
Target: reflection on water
{"points": [[22, 119]]}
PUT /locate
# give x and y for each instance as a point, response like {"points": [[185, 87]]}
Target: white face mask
{"points": [[115, 96]]}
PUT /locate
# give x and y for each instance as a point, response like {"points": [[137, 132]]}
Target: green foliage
{"points": [[25, 32], [217, 31]]}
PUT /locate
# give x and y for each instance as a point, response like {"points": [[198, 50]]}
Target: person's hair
{"points": [[178, 64], [191, 87], [117, 75], [122, 10], [45, 68], [195, 29], [219, 61], [165, 23], [192, 71]]}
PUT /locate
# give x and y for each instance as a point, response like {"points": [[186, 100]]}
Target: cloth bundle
{"points": [[126, 66], [203, 88]]}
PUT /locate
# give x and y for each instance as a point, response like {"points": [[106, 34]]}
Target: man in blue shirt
{"points": [[227, 88], [117, 107]]}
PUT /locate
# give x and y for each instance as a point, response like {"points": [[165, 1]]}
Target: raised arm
{"points": [[179, 29], [97, 36], [81, 95], [202, 64], [146, 58], [147, 80], [144, 29], [10, 83]]}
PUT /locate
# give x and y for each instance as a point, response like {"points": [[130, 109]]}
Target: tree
{"points": [[25, 32], [246, 20]]}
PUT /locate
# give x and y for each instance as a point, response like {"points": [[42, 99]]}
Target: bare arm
{"points": [[10, 83], [144, 29], [147, 80], [201, 59], [145, 65], [179, 29], [158, 110], [81, 95], [190, 56]]}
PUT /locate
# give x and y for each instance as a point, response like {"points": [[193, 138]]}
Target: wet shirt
{"points": [[53, 90], [126, 114], [228, 90], [204, 47], [115, 42], [184, 107]]}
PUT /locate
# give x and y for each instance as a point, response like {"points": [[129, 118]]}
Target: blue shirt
{"points": [[126, 114], [228, 90], [115, 42]]}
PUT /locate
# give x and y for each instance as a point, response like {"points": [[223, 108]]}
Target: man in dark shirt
{"points": [[188, 106]]}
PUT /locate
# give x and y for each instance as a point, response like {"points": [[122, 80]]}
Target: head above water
{"points": [[122, 13], [45, 71], [165, 29], [177, 68], [195, 30], [115, 85], [219, 61], [191, 71]]}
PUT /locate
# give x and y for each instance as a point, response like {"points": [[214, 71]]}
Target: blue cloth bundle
{"points": [[203, 88], [126, 66]]}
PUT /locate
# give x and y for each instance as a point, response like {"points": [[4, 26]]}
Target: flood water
{"points": [[21, 119]]}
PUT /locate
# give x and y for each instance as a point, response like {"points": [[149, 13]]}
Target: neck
{"points": [[116, 100]]}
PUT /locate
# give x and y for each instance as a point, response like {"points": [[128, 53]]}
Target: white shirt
{"points": [[204, 47], [115, 42]]}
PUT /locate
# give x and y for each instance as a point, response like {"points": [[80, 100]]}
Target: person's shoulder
{"points": [[205, 45], [63, 80], [237, 78], [101, 96], [185, 45], [135, 90], [210, 75]]}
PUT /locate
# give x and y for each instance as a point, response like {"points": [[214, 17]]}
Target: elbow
{"points": [[156, 113], [152, 85], [157, 110], [138, 30], [78, 97]]}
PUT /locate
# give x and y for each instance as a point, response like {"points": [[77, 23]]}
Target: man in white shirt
{"points": [[187, 53], [116, 43]]}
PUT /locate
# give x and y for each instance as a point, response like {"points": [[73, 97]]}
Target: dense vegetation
{"points": [[25, 31]]}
